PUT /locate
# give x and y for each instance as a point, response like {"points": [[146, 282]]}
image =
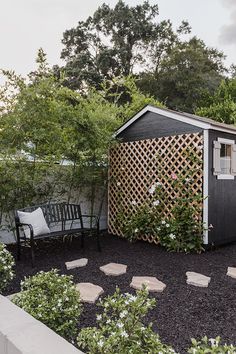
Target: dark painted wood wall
{"points": [[221, 200], [152, 125], [222, 193]]}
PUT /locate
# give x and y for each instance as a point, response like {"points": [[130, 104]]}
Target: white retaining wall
{"points": [[20, 333]]}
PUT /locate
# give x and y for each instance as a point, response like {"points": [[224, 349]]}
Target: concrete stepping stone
{"points": [[114, 269], [231, 272], [152, 284], [198, 279], [82, 262], [89, 292]]}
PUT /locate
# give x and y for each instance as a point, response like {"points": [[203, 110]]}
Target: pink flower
{"points": [[173, 176]]}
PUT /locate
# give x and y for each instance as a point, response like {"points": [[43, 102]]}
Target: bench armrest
{"points": [[96, 217], [19, 224]]}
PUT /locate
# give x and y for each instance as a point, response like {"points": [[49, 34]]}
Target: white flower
{"points": [[156, 202], [123, 314], [120, 325], [118, 184], [210, 226], [163, 222], [136, 230], [151, 190], [108, 321], [124, 334], [187, 180], [167, 225], [134, 202], [99, 317], [214, 342], [158, 184], [100, 343], [172, 236], [132, 298]]}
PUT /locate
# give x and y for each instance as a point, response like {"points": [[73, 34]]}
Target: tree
{"points": [[54, 140], [115, 42], [184, 74], [221, 105]]}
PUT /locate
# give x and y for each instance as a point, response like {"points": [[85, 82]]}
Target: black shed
{"points": [[156, 130]]}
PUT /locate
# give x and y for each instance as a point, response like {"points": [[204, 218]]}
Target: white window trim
{"points": [[228, 142]]}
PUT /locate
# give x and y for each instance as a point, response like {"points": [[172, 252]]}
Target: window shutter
{"points": [[233, 163], [216, 158]]}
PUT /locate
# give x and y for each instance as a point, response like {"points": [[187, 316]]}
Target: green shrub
{"points": [[210, 346], [120, 328], [183, 230], [6, 267], [52, 299]]}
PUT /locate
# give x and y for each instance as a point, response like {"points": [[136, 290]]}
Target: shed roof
{"points": [[201, 122]]}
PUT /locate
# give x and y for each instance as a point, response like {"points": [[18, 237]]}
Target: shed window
{"points": [[224, 158]]}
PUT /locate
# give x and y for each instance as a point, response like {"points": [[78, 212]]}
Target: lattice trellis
{"points": [[136, 165]]}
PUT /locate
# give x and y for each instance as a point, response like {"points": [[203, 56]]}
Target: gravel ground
{"points": [[182, 311]]}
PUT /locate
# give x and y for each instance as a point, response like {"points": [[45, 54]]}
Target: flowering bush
{"points": [[183, 231], [146, 219], [6, 265], [52, 299], [120, 328], [210, 346]]}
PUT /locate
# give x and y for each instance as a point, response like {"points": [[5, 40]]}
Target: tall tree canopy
{"points": [[51, 134], [116, 42], [185, 73], [220, 106], [131, 40]]}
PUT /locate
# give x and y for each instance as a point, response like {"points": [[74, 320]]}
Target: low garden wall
{"points": [[20, 333]]}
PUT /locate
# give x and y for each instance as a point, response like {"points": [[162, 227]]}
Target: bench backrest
{"points": [[57, 212]]}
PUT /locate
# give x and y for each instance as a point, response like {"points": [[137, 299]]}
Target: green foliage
{"points": [[183, 232], [6, 267], [211, 346], [116, 42], [146, 220], [131, 40], [120, 328], [52, 139], [221, 105], [185, 229], [184, 75], [52, 299]]}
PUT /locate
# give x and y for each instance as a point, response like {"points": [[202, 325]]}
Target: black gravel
{"points": [[182, 311]]}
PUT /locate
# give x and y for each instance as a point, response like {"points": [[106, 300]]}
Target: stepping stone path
{"points": [[82, 262], [231, 272], [197, 279], [152, 284], [114, 269], [89, 292]]}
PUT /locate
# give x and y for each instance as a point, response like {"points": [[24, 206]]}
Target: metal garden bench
{"points": [[63, 216]]}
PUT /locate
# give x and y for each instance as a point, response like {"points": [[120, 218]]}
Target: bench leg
{"points": [[98, 241], [18, 244], [32, 253], [82, 240]]}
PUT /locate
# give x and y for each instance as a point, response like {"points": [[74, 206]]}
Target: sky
{"points": [[27, 25]]}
